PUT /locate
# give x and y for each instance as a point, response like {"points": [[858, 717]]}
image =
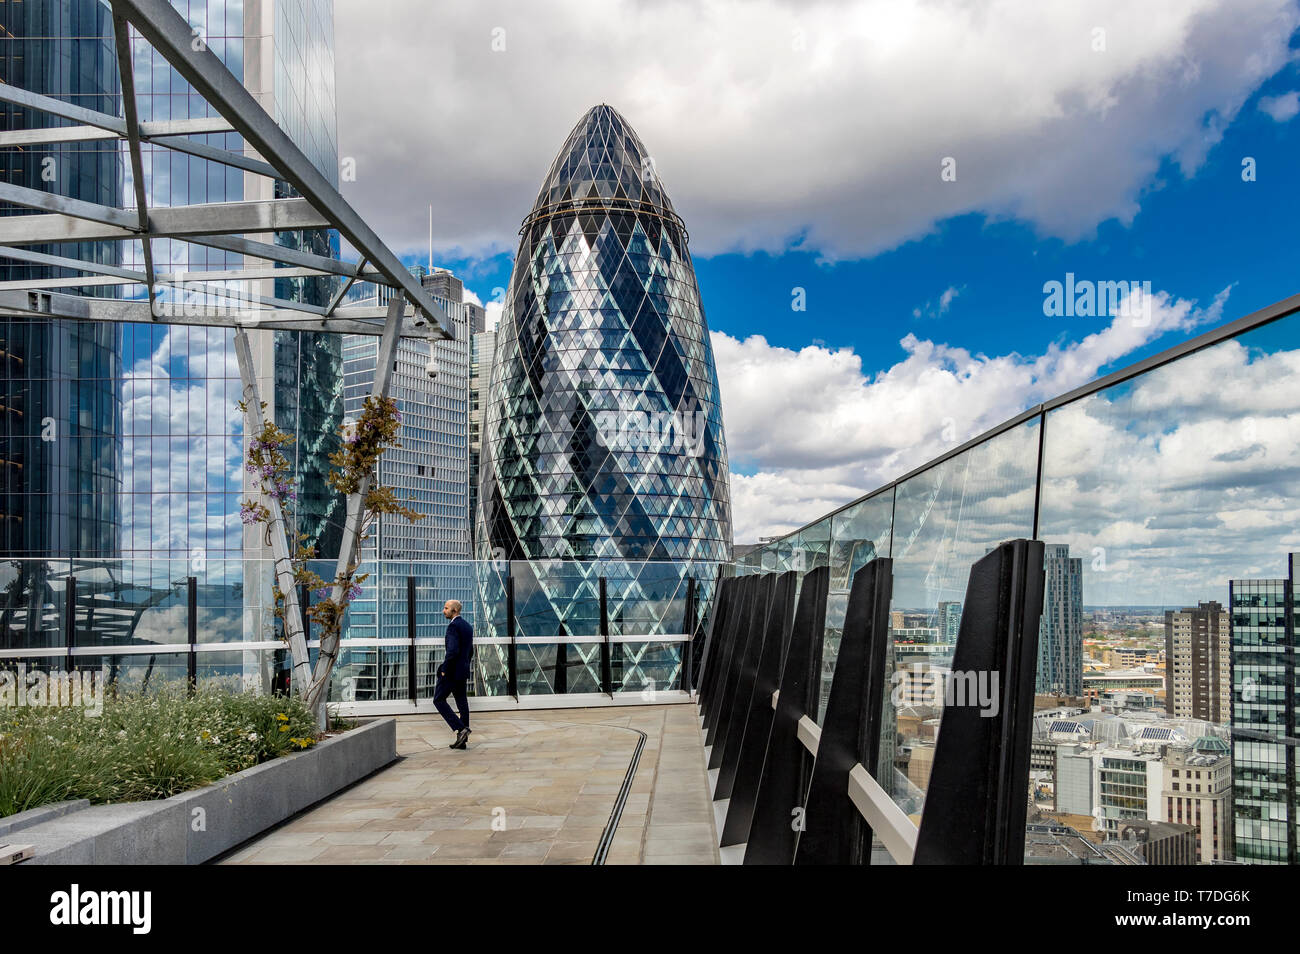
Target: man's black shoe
{"points": [[461, 737]]}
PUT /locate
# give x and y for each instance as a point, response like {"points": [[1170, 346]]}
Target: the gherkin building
{"points": [[603, 448]]}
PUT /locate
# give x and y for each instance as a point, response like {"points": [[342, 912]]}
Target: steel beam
{"points": [[71, 220], [122, 39], [127, 277], [255, 421], [169, 33], [67, 207], [354, 320], [57, 107]]}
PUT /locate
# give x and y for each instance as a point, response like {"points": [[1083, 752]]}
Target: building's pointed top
{"points": [[603, 158]]}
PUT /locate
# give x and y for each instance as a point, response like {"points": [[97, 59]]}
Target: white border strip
{"points": [[894, 829], [810, 734], [577, 700]]}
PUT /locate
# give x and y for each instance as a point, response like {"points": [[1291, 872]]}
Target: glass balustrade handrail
{"points": [[1224, 332]]}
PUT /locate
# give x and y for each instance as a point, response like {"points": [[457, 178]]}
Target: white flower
{"points": [[252, 737]]}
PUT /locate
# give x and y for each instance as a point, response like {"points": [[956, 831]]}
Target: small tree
{"points": [[353, 475]]}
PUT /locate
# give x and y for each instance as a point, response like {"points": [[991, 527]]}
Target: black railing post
{"points": [[782, 787], [192, 633], [688, 630], [410, 640], [976, 802], [739, 684], [606, 668], [512, 652], [834, 831], [561, 664], [715, 640], [70, 619], [751, 748], [742, 699], [733, 638]]}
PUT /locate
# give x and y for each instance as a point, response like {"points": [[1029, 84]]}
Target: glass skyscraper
{"points": [[603, 450], [146, 476], [1263, 614], [61, 420]]}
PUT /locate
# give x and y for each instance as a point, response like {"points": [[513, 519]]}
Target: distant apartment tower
{"points": [[482, 350], [1198, 654], [1060, 636], [948, 620], [1263, 718], [1198, 792]]}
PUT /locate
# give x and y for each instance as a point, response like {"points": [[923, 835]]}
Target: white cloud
{"points": [[1283, 108], [820, 123], [933, 309], [810, 431]]}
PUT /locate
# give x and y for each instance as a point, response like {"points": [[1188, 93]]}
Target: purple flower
{"points": [[248, 515], [354, 591], [267, 470], [323, 593]]}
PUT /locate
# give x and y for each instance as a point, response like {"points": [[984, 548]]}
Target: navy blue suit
{"points": [[454, 673]]}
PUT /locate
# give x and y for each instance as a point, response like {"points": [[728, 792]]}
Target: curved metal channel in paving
{"points": [[533, 788]]}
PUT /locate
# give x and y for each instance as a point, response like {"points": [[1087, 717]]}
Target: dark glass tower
{"points": [[602, 441], [60, 381]]}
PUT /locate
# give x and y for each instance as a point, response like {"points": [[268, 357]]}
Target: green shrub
{"points": [[145, 745]]}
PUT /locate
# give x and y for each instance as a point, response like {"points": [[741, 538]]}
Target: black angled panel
{"points": [[711, 659], [740, 682], [834, 831], [975, 805], [758, 716], [737, 631], [787, 764]]}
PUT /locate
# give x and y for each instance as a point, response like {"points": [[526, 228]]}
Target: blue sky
{"points": [[802, 144], [1192, 237]]}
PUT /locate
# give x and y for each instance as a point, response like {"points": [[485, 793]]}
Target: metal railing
{"points": [[791, 791], [145, 626]]}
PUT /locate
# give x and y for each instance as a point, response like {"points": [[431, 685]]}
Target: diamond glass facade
{"points": [[603, 435]]}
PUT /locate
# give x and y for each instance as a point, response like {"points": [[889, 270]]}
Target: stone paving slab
{"points": [[534, 787]]}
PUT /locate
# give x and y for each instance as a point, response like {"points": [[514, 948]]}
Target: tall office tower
{"points": [[482, 350], [60, 381], [1198, 644], [166, 480], [1263, 718], [1060, 635], [948, 621], [429, 472], [603, 436]]}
